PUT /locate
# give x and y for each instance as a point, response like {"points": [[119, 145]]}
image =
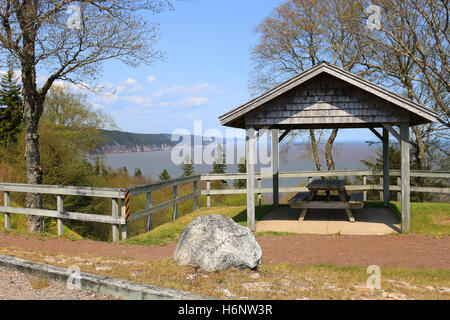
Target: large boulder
{"points": [[215, 242]]}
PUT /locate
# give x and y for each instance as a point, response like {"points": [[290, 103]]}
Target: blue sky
{"points": [[204, 74]]}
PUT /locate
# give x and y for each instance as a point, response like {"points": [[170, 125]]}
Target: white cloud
{"points": [[151, 79], [131, 82]]}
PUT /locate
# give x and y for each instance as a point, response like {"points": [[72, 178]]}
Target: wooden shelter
{"points": [[326, 97]]}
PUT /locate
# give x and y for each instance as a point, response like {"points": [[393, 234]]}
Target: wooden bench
{"points": [[356, 198]]}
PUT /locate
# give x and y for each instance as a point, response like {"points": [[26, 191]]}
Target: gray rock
{"points": [[215, 242]]}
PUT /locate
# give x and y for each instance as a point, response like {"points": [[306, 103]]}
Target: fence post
{"points": [[175, 206], [381, 192], [259, 193], [148, 206], [196, 197], [399, 193], [115, 213], [7, 200], [123, 210], [60, 208], [365, 191], [208, 197]]}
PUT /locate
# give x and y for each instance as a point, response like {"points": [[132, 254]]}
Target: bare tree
{"points": [[296, 36], [69, 40]]}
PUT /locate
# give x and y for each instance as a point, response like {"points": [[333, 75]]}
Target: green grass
{"points": [[170, 232], [430, 219]]}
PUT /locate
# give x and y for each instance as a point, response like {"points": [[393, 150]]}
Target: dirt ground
{"points": [[412, 251]]}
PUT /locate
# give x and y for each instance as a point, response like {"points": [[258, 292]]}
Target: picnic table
{"points": [[311, 200]]}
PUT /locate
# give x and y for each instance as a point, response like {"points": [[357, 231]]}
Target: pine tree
{"points": [[137, 172], [219, 164], [164, 175], [10, 108], [187, 166]]}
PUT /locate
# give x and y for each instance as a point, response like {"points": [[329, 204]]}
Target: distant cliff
{"points": [[118, 141]]}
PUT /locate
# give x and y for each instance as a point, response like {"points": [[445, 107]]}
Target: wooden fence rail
{"points": [[120, 197]]}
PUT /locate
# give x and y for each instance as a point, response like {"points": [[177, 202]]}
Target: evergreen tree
{"points": [[242, 168], [164, 175], [187, 166], [137, 172], [10, 108], [219, 164]]}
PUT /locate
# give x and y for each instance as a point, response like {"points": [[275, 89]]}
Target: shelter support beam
{"points": [[405, 176], [386, 179], [250, 156], [275, 167]]}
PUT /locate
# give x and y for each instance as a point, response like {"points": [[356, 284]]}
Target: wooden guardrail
{"points": [[311, 174], [120, 197]]}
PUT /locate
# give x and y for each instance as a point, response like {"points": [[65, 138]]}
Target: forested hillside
{"points": [[118, 141]]}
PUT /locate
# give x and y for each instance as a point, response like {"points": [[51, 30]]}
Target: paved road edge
{"points": [[126, 289]]}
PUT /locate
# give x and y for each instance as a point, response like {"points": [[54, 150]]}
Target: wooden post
{"points": [[259, 193], [399, 193], [148, 206], [381, 192], [175, 206], [208, 197], [310, 179], [123, 213], [250, 156], [405, 176], [275, 168], [365, 191], [60, 208], [115, 213], [386, 179], [7, 202], [196, 197]]}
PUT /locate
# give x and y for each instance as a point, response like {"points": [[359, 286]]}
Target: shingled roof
{"points": [[387, 100]]}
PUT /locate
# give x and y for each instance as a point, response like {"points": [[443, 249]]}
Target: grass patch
{"points": [[170, 232], [280, 281], [430, 219], [39, 284]]}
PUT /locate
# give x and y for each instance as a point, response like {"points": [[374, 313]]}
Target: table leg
{"points": [[311, 196], [349, 212]]}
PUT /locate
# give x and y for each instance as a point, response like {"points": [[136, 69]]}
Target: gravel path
{"points": [[413, 251], [15, 285]]}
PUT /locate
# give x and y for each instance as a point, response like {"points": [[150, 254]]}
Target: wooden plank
{"points": [[283, 135], [60, 208], [123, 210], [144, 213], [162, 185], [299, 197], [327, 205], [148, 205], [115, 214], [63, 215], [250, 156], [405, 176], [326, 184], [375, 132], [175, 206], [275, 167], [63, 190], [392, 131], [356, 198], [208, 197], [196, 197], [7, 202]]}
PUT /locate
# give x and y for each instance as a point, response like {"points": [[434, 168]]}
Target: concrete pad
{"points": [[369, 221]]}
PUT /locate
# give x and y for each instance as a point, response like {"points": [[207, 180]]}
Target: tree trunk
{"points": [[329, 150], [32, 111], [312, 136]]}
